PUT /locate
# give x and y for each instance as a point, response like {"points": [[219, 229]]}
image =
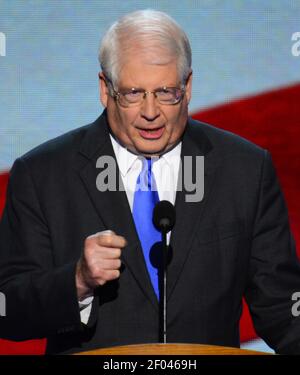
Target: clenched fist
{"points": [[99, 263]]}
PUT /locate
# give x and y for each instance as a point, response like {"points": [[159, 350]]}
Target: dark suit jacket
{"points": [[235, 242]]}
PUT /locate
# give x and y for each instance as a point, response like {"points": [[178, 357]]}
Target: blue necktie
{"points": [[144, 202]]}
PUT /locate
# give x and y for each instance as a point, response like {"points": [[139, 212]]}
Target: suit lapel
{"points": [[112, 206], [188, 214]]}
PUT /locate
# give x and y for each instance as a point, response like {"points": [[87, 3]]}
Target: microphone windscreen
{"points": [[164, 216]]}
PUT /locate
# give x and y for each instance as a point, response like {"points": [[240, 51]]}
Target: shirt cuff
{"points": [[85, 307]]}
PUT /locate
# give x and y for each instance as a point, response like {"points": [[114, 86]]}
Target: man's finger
{"points": [[111, 264], [111, 240], [110, 253]]}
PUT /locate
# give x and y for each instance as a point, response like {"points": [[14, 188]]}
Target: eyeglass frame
{"points": [[116, 94]]}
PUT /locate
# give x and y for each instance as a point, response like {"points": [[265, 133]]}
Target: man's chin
{"points": [[148, 152]]}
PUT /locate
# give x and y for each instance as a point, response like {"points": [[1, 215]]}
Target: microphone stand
{"points": [[164, 217], [163, 297]]}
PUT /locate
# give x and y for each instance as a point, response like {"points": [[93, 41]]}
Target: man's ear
{"points": [[103, 89], [188, 87]]}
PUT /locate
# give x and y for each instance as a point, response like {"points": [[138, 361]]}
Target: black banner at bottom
{"points": [[148, 364]]}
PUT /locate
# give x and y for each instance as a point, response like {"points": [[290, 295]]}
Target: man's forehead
{"points": [[141, 72]]}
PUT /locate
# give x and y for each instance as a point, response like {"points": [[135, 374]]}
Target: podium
{"points": [[171, 349]]}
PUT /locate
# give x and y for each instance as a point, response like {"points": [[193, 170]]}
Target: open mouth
{"points": [[151, 133]]}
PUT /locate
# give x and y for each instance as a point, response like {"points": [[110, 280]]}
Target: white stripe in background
{"points": [[258, 345]]}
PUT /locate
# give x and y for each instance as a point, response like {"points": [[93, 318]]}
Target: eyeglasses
{"points": [[135, 97]]}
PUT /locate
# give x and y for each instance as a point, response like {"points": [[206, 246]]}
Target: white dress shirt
{"points": [[165, 170]]}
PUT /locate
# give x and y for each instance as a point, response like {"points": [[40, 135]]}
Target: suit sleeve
{"points": [[40, 298], [274, 268]]}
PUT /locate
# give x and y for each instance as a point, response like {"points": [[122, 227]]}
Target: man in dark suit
{"points": [[72, 265]]}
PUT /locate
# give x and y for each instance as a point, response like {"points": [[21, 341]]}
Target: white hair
{"points": [[148, 31]]}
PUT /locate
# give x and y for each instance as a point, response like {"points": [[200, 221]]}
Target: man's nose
{"points": [[150, 108]]}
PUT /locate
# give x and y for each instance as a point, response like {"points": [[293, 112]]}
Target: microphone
{"points": [[164, 217]]}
